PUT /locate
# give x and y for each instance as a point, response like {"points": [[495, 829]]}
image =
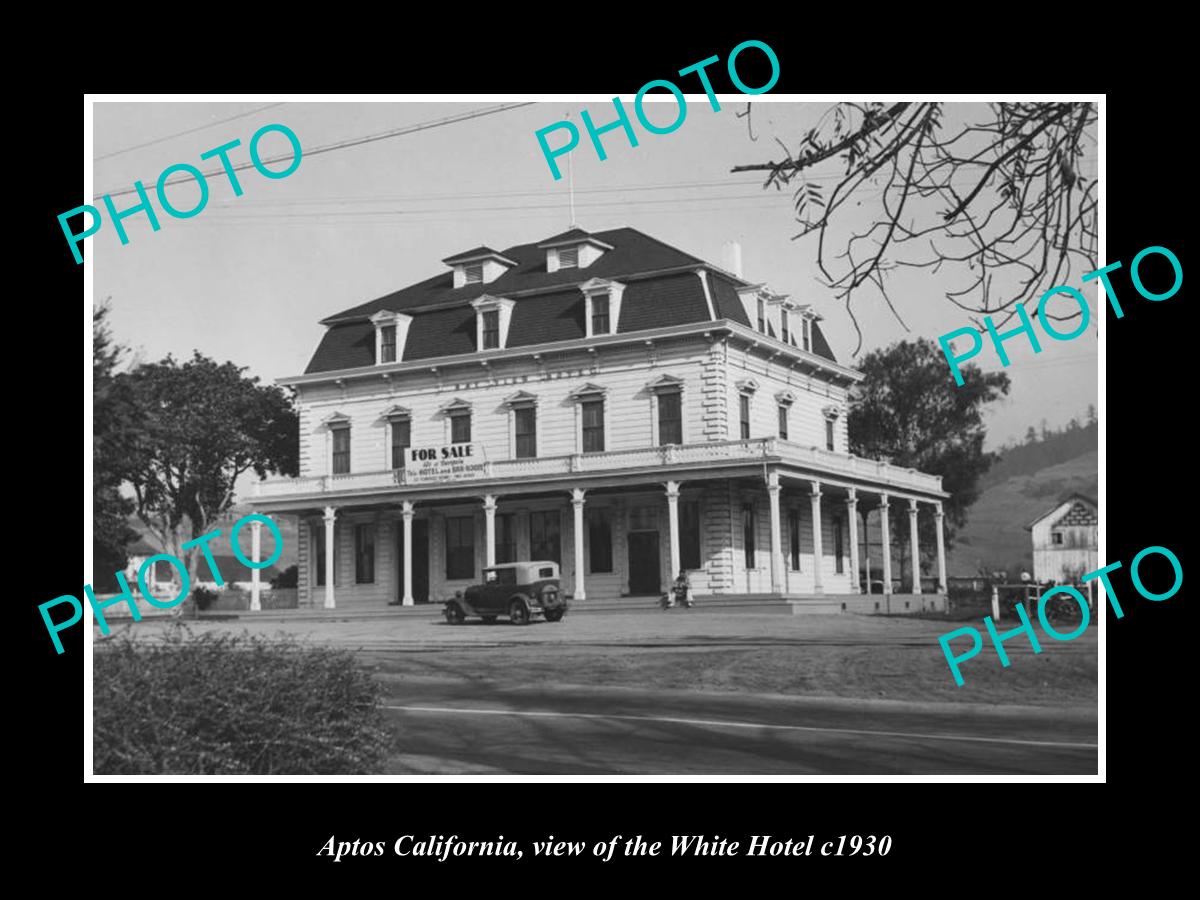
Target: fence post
{"points": [[995, 603]]}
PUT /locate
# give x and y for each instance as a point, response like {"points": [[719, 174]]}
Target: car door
{"points": [[503, 589], [489, 590]]}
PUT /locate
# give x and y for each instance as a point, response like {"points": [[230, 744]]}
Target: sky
{"points": [[249, 277]]}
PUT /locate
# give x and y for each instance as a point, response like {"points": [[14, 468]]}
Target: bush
{"points": [[204, 598], [221, 704], [288, 578]]}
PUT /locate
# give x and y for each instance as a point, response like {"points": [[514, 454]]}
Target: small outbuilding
{"points": [[1065, 540]]}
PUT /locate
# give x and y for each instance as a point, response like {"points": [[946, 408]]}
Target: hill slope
{"points": [[995, 535]]}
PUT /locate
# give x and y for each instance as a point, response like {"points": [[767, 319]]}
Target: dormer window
{"points": [[391, 333], [574, 249], [492, 318], [483, 265], [807, 334], [491, 329], [602, 302]]}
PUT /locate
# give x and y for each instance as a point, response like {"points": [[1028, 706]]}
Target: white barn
{"points": [[1065, 540]]}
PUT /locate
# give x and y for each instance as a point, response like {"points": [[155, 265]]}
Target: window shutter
{"points": [[568, 258]]}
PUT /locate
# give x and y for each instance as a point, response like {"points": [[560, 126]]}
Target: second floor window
{"points": [[600, 314], [593, 426], [783, 422], [401, 441], [744, 415], [829, 444], [341, 451], [526, 428], [460, 428], [491, 329], [670, 418]]}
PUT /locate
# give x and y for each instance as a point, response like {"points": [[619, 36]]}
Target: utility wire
{"points": [[188, 131], [341, 145]]}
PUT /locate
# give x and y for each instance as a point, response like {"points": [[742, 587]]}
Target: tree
{"points": [[1091, 414], [200, 426], [998, 197], [1031, 435], [111, 533], [908, 411]]}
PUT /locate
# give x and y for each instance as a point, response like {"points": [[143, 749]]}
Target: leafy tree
{"points": [[288, 578], [200, 426], [993, 194], [111, 533], [907, 411], [1031, 435]]}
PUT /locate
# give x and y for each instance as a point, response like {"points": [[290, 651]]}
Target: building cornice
{"points": [[770, 348]]}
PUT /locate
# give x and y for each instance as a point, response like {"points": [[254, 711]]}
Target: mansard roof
{"points": [[549, 306]]}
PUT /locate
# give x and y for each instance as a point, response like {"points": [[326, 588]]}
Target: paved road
{"points": [[445, 728]]}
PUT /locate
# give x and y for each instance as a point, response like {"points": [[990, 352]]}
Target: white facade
{"points": [[1065, 544]]}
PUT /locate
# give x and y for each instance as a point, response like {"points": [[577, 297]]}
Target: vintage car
{"points": [[518, 590]]}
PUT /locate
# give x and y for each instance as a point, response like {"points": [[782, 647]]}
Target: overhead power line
{"points": [[342, 145], [168, 137]]}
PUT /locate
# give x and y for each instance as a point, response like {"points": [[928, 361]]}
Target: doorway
{"points": [[420, 560], [644, 563]]}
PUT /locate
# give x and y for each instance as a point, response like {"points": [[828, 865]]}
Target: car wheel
{"points": [[454, 614], [489, 620], [518, 612], [554, 615]]}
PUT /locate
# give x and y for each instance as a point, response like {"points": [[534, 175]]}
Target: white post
{"points": [[914, 546], [867, 549], [941, 547], [256, 556], [330, 516], [577, 495], [886, 539], [407, 509], [817, 549], [489, 519], [773, 490], [852, 519], [673, 520], [995, 604]]}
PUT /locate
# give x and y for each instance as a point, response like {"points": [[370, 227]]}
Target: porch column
{"points": [[939, 516], [914, 549], [256, 556], [773, 490], [817, 549], [330, 555], [577, 495], [673, 524], [852, 518], [489, 520], [407, 509], [885, 538]]}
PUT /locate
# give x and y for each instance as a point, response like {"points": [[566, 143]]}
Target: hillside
{"points": [[995, 536]]}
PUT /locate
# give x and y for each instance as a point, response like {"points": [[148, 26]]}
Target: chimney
{"points": [[731, 253]]}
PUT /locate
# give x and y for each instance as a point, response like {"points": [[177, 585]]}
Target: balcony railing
{"points": [[673, 455]]}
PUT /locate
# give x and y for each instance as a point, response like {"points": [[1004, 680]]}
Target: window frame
{"points": [[574, 251], [364, 553], [339, 432], [489, 336], [605, 316], [677, 421], [544, 517], [469, 269], [749, 537], [783, 421], [506, 538], [830, 434], [457, 553], [599, 526], [691, 535], [525, 444], [455, 417], [385, 344], [839, 546], [585, 429], [405, 424], [744, 422]]}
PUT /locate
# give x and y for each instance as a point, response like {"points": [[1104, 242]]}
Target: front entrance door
{"points": [[420, 559], [644, 575]]}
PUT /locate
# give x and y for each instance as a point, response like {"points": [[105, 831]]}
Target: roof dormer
{"points": [[574, 249], [483, 265], [492, 318], [602, 306], [391, 334], [765, 309]]}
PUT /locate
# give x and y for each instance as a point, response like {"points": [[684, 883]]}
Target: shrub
{"points": [[288, 578], [204, 597], [222, 704]]}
